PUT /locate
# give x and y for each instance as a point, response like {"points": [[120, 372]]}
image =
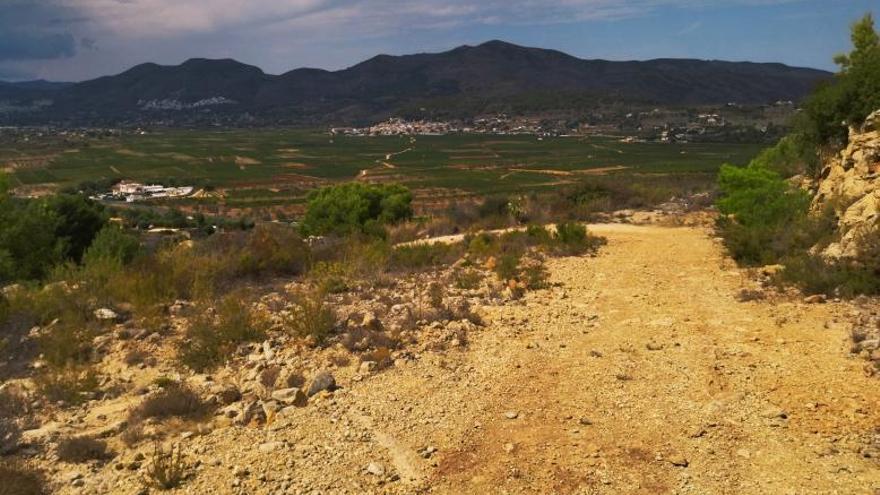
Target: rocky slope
{"points": [[850, 183], [638, 371]]}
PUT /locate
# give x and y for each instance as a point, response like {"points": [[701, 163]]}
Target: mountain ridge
{"points": [[465, 80]]}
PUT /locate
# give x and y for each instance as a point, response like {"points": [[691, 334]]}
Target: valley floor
{"points": [[640, 372]]}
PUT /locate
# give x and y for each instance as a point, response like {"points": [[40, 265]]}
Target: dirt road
{"points": [[639, 372], [642, 374]]}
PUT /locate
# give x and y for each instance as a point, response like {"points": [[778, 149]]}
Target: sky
{"points": [[73, 40]]}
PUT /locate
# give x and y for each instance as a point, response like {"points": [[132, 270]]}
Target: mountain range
{"points": [[463, 82]]}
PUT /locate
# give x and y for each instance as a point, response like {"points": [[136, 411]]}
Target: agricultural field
{"points": [[262, 168]]}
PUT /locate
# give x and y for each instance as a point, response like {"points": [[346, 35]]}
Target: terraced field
{"points": [[278, 166]]}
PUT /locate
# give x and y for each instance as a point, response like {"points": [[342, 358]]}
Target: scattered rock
{"points": [[509, 447], [322, 381], [368, 367], [511, 414], [774, 412], [585, 421], [815, 299], [677, 459], [376, 469], [654, 346], [227, 394], [270, 447], [293, 396], [106, 314]]}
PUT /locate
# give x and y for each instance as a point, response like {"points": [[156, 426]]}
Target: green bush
{"points": [[815, 275], [765, 218], [423, 256], [78, 221], [573, 239], [112, 244], [37, 234], [466, 278], [29, 247], [356, 208], [507, 267]]}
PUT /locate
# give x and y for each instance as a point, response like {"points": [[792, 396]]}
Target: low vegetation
{"points": [[82, 449], [766, 217], [19, 478], [166, 469], [356, 208], [215, 333], [173, 401], [312, 317]]}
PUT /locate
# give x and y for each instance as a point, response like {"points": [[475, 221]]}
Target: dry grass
{"points": [[176, 400], [13, 407], [166, 470], [312, 317], [82, 449], [211, 338], [18, 478]]}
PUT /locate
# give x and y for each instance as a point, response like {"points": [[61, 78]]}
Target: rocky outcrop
{"points": [[850, 183]]}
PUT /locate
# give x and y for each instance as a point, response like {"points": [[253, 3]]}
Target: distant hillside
{"points": [[465, 81]]}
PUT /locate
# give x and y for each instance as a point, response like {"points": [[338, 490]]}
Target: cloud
{"points": [[157, 18], [31, 31], [690, 28], [76, 39], [20, 46]]}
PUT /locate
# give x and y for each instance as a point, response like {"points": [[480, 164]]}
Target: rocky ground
{"points": [[656, 367]]}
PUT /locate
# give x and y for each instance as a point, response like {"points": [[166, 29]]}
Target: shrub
{"points": [[331, 277], [166, 470], [534, 274], [356, 208], [422, 256], [178, 401], [814, 275], [18, 478], [81, 449], [366, 258], [78, 221], [13, 407], [483, 245], [312, 316], [29, 247], [507, 267], [766, 218], [112, 244], [71, 385], [275, 250], [466, 278], [538, 235], [211, 339], [573, 239]]}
